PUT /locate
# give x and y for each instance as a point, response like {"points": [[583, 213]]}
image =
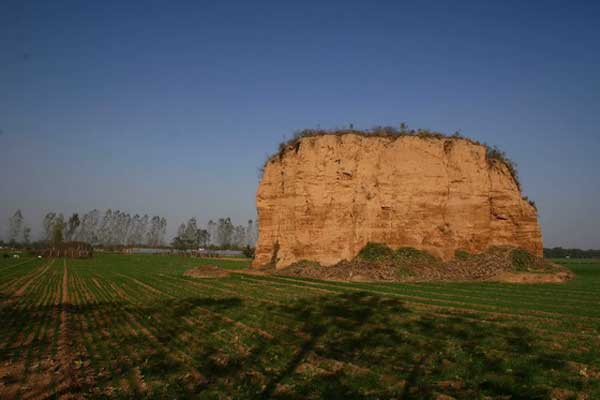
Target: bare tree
{"points": [[162, 231], [72, 226], [104, 235], [15, 226], [88, 231], [57, 233], [189, 236], [181, 230], [239, 236], [212, 232], [203, 237], [26, 235], [250, 237], [191, 233], [142, 229], [156, 234], [47, 225], [59, 225], [225, 232], [122, 228], [132, 238]]}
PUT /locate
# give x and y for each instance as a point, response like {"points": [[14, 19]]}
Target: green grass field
{"points": [[134, 327]]}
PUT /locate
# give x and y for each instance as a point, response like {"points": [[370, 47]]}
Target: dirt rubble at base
{"points": [[495, 265], [498, 264]]}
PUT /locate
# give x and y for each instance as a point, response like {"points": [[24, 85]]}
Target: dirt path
{"points": [[66, 383]]}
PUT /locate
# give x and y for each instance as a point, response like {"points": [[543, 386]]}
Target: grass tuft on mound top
{"points": [[493, 154]]}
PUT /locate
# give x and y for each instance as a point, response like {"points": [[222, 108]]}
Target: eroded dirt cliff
{"points": [[324, 197]]}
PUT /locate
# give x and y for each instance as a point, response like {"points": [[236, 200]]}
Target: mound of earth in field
{"points": [[376, 262], [325, 195], [206, 271]]}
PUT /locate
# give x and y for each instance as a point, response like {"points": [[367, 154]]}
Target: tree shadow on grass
{"points": [[349, 345], [119, 348], [363, 346]]}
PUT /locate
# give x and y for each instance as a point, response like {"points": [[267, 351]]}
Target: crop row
{"points": [[134, 326]]}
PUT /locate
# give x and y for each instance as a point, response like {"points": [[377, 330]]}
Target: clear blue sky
{"points": [[170, 107]]}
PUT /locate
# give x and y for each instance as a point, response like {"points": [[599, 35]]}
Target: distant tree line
{"points": [[221, 234], [117, 228], [110, 228], [559, 252]]}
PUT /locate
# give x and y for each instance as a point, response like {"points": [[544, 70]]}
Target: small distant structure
{"points": [[67, 249]]}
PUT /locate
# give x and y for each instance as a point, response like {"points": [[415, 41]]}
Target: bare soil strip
{"points": [[67, 381], [19, 285]]}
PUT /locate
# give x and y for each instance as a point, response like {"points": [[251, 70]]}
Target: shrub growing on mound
{"points": [[494, 153], [412, 254], [461, 254], [522, 260], [375, 252]]}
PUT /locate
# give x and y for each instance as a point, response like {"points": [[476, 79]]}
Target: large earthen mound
{"points": [[324, 197]]}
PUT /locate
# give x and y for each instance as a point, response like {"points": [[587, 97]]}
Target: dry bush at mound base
{"points": [[377, 262], [325, 196]]}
